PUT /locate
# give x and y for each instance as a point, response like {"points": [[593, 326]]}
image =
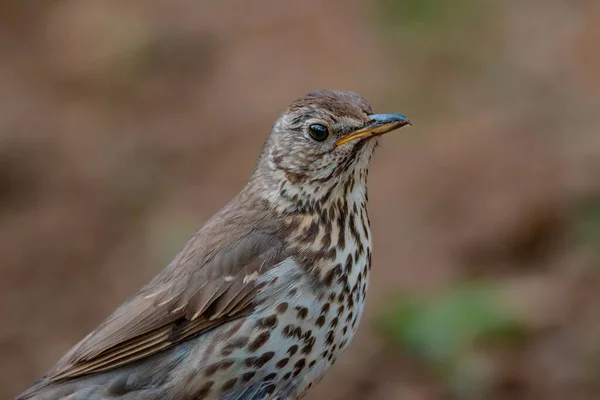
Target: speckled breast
{"points": [[282, 351]]}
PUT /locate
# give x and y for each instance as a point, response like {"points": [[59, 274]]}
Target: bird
{"points": [[267, 294]]}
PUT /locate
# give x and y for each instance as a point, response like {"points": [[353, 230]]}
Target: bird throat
{"points": [[328, 227]]}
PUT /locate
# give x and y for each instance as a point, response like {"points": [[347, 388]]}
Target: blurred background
{"points": [[125, 124]]}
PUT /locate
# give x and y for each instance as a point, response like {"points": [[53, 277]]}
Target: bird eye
{"points": [[318, 132]]}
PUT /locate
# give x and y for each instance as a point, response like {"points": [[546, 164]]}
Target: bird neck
{"points": [[325, 225], [315, 197]]}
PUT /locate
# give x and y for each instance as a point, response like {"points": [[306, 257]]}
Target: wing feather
{"points": [[198, 291]]}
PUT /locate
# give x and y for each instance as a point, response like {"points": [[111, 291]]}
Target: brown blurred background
{"points": [[125, 124]]}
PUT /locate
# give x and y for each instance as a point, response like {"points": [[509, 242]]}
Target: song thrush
{"points": [[267, 294]]}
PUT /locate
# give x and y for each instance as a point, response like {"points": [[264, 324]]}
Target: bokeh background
{"points": [[125, 124]]}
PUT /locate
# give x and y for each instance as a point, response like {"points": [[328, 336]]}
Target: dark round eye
{"points": [[318, 132]]}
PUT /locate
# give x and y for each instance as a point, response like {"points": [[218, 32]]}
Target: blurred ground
{"points": [[124, 125]]}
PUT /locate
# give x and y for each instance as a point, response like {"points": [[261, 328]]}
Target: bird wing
{"points": [[215, 279]]}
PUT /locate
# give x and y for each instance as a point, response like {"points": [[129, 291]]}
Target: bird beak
{"points": [[378, 124]]}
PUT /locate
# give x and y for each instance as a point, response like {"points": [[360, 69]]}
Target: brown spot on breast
{"points": [[204, 390], [226, 364], [350, 315], [348, 185], [341, 244], [260, 361], [320, 321], [329, 338], [282, 363], [266, 357], [269, 322], [292, 350], [353, 230], [330, 254], [328, 194], [331, 274], [359, 251], [270, 389], [302, 312], [349, 264], [292, 331], [246, 376], [299, 366], [227, 386], [250, 361], [326, 239], [259, 341], [270, 377], [297, 332], [350, 302], [234, 345], [211, 369], [307, 335], [281, 308], [288, 330], [332, 212], [310, 231], [308, 347]]}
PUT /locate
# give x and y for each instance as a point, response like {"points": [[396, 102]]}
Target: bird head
{"points": [[322, 140]]}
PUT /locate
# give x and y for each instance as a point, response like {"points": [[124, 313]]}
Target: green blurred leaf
{"points": [[441, 329], [586, 223]]}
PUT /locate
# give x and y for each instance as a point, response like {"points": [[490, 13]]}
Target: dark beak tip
{"points": [[403, 120], [382, 119]]}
